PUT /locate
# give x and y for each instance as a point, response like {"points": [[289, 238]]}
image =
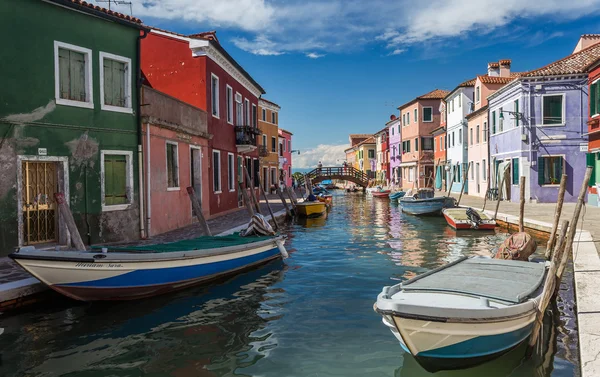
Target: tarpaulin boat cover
{"points": [[510, 281]]}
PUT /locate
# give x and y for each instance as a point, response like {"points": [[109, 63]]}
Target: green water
{"points": [[310, 315]]}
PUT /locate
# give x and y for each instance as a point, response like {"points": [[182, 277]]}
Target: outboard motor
{"points": [[474, 218]]}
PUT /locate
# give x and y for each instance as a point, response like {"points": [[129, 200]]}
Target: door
{"points": [[240, 176], [477, 176], [265, 180], [196, 173], [39, 183]]}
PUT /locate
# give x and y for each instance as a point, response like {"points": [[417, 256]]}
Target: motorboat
{"points": [[311, 208], [468, 218], [396, 195], [424, 202]]}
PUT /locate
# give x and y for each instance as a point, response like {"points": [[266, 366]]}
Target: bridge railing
{"points": [[338, 171]]}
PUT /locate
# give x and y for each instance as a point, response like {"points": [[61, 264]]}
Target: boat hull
{"points": [[396, 195], [311, 209], [431, 206], [84, 278], [381, 194], [466, 225]]}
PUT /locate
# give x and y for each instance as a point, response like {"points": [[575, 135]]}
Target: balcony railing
{"points": [[246, 135], [263, 151]]}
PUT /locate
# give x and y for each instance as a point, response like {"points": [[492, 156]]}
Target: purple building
{"points": [[538, 129], [394, 149]]}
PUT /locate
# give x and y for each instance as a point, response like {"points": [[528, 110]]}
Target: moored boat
{"points": [[133, 272], [468, 218], [326, 199], [311, 209], [381, 194], [464, 313], [396, 195], [424, 202]]}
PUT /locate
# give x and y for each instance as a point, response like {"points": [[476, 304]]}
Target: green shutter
{"points": [[108, 82], [559, 169], [493, 122], [118, 77], [63, 72], [115, 179], [540, 170], [77, 76], [517, 113], [515, 171], [591, 161], [593, 108], [553, 109]]}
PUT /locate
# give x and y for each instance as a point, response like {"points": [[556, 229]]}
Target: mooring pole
{"points": [[559, 204]]}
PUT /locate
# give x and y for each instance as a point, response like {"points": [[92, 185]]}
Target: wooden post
{"points": [[250, 185], [449, 184], [557, 213], [246, 199], [67, 217], [500, 191], [307, 185], [287, 209], [487, 189], [550, 284], [262, 189], [462, 189], [522, 205], [198, 210], [573, 224]]}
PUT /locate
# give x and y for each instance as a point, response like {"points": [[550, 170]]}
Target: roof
{"points": [[437, 130], [486, 79], [494, 65], [465, 84], [384, 129], [482, 109], [505, 61], [269, 102], [370, 140], [576, 63], [434, 94], [90, 8], [357, 136], [286, 131]]}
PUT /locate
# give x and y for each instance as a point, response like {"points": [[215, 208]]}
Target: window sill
{"points": [[216, 116], [551, 125], [551, 185], [217, 192], [428, 121], [173, 189], [116, 109], [116, 207], [68, 102], [231, 190]]}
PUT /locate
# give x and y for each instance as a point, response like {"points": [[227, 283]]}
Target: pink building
{"points": [[285, 157]]}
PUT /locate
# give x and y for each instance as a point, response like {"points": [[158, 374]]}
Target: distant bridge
{"points": [[347, 173]]}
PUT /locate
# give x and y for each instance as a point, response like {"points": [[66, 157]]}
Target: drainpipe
{"points": [[138, 57]]}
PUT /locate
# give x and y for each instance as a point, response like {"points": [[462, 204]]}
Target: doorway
{"points": [[39, 183], [196, 173], [477, 176]]}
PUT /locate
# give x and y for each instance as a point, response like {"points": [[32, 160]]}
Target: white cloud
{"points": [[314, 55], [397, 51], [273, 27], [329, 155]]}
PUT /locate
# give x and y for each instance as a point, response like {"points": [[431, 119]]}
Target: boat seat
{"points": [[504, 280]]}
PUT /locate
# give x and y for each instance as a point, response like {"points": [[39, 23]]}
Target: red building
{"points": [[197, 70], [593, 157], [285, 157]]}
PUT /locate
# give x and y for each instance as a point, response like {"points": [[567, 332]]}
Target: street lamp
{"points": [[295, 150]]}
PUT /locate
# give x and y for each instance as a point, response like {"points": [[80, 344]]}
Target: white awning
{"points": [[405, 164]]}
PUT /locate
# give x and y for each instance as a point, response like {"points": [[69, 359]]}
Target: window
{"points": [[392, 131], [445, 142], [416, 115], [229, 100], [453, 100], [515, 171], [73, 75], [493, 122], [115, 83], [214, 96], [273, 144], [485, 132], [117, 180], [246, 112], [240, 167], [264, 115], [428, 114], [477, 95], [427, 143], [416, 144], [254, 115], [483, 170], [434, 143], [457, 173], [172, 166], [264, 140], [239, 117], [470, 136], [501, 122], [289, 145], [460, 132], [217, 172], [595, 98], [550, 170], [371, 153], [281, 148], [407, 118], [283, 144], [273, 117], [273, 176], [230, 172], [472, 170], [552, 109], [452, 138], [516, 113], [477, 134]]}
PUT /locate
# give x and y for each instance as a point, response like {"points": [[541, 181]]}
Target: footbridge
{"points": [[345, 173]]}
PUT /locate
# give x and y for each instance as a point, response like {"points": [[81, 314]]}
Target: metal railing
{"points": [[246, 135]]}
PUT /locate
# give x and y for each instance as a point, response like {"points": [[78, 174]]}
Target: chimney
{"points": [[586, 40], [493, 69], [505, 67]]}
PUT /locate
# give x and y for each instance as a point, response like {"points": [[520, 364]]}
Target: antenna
{"points": [[118, 2]]}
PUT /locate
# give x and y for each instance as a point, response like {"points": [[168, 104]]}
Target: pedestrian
{"points": [[319, 167]]}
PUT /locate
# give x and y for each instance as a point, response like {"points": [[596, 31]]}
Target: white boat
{"points": [[464, 313]]}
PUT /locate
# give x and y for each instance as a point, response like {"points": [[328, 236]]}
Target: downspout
{"points": [[138, 67]]}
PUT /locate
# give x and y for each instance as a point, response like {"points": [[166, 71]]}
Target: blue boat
{"points": [[396, 195], [424, 202]]}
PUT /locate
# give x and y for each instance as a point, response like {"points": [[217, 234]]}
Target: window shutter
{"points": [[591, 161], [118, 77], [115, 181], [593, 95], [108, 82], [63, 75], [108, 181], [77, 76], [416, 144], [540, 163], [515, 171]]}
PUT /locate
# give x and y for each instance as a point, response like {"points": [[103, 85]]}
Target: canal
{"points": [[310, 315]]}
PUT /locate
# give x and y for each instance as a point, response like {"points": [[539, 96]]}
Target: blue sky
{"points": [[342, 66]]}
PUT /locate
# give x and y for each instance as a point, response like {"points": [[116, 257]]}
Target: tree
{"points": [[298, 176]]}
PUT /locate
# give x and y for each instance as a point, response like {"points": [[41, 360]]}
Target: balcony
{"points": [[263, 151], [245, 138]]}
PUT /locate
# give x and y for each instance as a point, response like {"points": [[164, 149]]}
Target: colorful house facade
{"points": [[365, 154], [382, 154], [68, 122], [439, 155], [593, 157], [538, 130], [394, 126], [285, 157], [419, 117], [197, 70], [498, 75], [268, 150]]}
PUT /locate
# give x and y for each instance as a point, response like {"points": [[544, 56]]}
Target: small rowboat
{"points": [[464, 313], [326, 199], [396, 195], [468, 218], [311, 209], [424, 202], [127, 273], [381, 194]]}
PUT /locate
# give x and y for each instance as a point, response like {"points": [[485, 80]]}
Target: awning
{"points": [[405, 164]]}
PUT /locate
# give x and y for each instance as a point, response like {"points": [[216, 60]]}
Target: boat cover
{"points": [[200, 243], [510, 281]]}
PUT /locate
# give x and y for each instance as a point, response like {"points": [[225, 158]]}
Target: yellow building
{"points": [[365, 156], [268, 143]]}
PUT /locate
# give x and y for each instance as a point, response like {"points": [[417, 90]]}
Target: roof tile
{"points": [[109, 12], [576, 63]]}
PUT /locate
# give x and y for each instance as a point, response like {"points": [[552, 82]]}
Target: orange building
{"points": [[268, 149]]}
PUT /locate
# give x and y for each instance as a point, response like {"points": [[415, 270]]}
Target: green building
{"points": [[68, 122]]}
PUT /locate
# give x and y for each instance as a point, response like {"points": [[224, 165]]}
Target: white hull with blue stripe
{"points": [[125, 275], [465, 313]]}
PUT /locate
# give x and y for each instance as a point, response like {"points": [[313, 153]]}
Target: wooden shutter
{"points": [[593, 96], [515, 171], [540, 163], [114, 83], [63, 74], [115, 179], [591, 161], [77, 76]]}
